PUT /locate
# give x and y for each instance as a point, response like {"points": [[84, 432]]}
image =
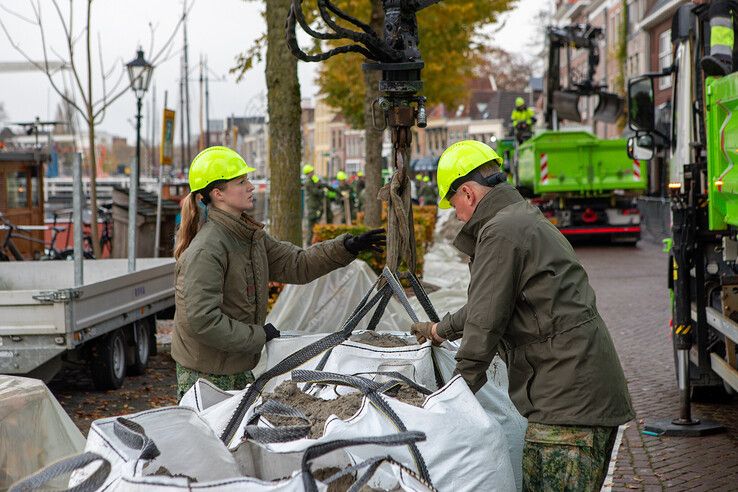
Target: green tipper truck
{"points": [[702, 151], [586, 186]]}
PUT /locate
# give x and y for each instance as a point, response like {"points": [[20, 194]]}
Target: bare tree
{"points": [[90, 108]]}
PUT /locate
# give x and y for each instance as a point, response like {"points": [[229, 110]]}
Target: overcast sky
{"points": [[218, 29]]}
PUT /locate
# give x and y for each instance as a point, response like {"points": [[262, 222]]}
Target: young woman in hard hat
{"points": [[223, 270]]}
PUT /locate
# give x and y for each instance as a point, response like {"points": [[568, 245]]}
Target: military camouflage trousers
{"points": [[187, 377], [566, 458]]}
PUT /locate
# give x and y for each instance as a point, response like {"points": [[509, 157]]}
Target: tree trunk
{"points": [[373, 138], [283, 100], [97, 251], [93, 193]]}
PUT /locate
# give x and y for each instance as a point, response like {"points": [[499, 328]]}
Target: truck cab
{"points": [[703, 186]]}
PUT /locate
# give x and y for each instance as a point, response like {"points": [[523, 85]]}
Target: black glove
{"points": [[271, 332], [373, 240]]}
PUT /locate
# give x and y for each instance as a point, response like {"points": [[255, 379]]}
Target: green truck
{"points": [[702, 152], [586, 186]]}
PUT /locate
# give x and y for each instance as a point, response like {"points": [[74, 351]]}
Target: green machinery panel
{"points": [[722, 151], [578, 162]]}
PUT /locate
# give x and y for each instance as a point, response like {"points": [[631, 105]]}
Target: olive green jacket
{"points": [[313, 197], [221, 290], [529, 298]]}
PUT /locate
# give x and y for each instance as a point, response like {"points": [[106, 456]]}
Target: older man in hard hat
{"points": [[529, 299]]}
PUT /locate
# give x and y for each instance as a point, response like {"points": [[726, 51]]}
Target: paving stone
{"points": [[630, 284]]}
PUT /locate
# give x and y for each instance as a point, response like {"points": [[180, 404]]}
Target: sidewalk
{"points": [[632, 297]]}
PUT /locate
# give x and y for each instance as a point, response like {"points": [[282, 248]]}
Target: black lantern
{"points": [[139, 73]]}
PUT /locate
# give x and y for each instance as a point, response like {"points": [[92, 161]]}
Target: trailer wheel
{"points": [[142, 348], [108, 361]]}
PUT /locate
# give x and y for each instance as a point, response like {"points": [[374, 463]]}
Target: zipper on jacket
{"points": [[256, 286]]}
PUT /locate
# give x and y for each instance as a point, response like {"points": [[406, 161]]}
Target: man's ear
{"points": [[467, 192]]}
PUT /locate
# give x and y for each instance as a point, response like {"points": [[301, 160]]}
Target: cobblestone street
{"points": [[633, 299]]}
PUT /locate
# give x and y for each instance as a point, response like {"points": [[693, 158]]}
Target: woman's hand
{"points": [[373, 240]]}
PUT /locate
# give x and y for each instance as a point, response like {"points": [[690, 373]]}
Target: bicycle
{"points": [[16, 232], [106, 238]]}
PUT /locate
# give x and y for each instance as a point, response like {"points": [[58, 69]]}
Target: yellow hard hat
{"points": [[307, 169], [341, 176], [459, 160], [315, 178], [418, 177], [216, 164], [360, 174], [426, 179], [519, 101]]}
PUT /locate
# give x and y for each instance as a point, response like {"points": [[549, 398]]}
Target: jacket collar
{"points": [[498, 198], [243, 227]]}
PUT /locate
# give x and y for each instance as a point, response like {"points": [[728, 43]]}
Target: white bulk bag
{"points": [[412, 361], [185, 442], [495, 400], [465, 450], [94, 472]]}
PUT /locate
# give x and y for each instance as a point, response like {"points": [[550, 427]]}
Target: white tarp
{"points": [[444, 268], [34, 429], [323, 305]]}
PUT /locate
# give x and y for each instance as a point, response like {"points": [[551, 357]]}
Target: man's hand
{"points": [[426, 330], [271, 332], [373, 240]]}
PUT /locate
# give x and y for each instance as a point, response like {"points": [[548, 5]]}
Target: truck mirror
{"points": [[640, 104], [640, 147]]}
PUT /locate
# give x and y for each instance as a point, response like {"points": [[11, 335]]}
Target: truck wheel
{"points": [[108, 361], [142, 348]]}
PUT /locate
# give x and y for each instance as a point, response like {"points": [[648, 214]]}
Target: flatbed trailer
{"points": [[108, 322]]}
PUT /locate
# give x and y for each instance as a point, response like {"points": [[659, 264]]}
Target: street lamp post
{"points": [[139, 73]]}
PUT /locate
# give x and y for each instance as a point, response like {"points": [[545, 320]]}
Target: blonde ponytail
{"points": [[189, 224]]}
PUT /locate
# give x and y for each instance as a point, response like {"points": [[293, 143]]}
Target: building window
{"points": [[634, 15], [664, 57], [16, 189]]}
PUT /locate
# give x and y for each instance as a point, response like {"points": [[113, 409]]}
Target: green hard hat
{"points": [[341, 176], [307, 169], [315, 178], [216, 164], [519, 101], [459, 160], [426, 179]]}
